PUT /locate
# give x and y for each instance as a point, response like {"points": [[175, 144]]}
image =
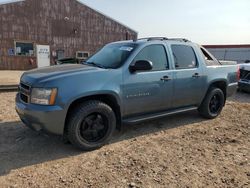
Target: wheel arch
{"points": [[221, 84], [106, 98]]}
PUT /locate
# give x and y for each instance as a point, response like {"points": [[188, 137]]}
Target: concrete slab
{"points": [[10, 78]]}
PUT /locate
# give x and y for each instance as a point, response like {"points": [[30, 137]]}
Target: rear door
{"points": [[148, 91], [189, 82]]}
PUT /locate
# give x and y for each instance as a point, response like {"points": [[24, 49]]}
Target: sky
{"points": [[201, 21]]}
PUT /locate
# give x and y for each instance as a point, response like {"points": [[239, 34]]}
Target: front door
{"points": [[148, 91], [43, 55]]}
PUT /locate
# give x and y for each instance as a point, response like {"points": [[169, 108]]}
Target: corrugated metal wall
{"points": [[63, 24], [232, 54]]}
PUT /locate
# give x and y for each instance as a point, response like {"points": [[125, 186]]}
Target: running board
{"points": [[156, 115]]}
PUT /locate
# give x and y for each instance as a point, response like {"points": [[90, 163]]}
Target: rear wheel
{"points": [[91, 125], [213, 103]]}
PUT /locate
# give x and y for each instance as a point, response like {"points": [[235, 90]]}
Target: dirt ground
{"points": [[183, 150]]}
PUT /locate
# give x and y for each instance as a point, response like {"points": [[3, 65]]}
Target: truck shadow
{"points": [[22, 147], [241, 97]]}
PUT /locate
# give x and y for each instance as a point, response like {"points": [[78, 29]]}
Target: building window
{"points": [[24, 48], [82, 55], [60, 54]]}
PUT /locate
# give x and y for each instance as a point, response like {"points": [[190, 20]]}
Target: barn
{"points": [[239, 53], [35, 33]]}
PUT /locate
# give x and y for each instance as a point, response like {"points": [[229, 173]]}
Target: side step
{"points": [[142, 118]]}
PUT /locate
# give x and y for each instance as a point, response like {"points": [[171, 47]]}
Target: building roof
{"points": [[228, 46], [107, 16], [10, 1], [15, 1]]}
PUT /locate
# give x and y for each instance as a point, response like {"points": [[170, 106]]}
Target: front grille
{"points": [[24, 98], [24, 92], [243, 73], [247, 78], [24, 86]]}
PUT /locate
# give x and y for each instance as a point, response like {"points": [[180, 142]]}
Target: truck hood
{"points": [[41, 74]]}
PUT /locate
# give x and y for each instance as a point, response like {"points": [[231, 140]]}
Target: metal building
{"points": [[34, 33], [239, 53]]}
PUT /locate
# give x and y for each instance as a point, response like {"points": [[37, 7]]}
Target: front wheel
{"points": [[213, 103], [91, 125]]}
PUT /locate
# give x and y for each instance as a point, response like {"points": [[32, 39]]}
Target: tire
{"points": [[91, 125], [213, 103]]}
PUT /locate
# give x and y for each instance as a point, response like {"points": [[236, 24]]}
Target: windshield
{"points": [[112, 55]]}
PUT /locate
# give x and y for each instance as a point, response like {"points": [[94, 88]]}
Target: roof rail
{"points": [[180, 39], [152, 38], [163, 38]]}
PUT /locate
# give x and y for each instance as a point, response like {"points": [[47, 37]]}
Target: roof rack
{"points": [[162, 38], [180, 39], [152, 38]]}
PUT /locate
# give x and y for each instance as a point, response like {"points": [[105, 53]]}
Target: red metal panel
{"points": [[228, 46], [63, 24]]}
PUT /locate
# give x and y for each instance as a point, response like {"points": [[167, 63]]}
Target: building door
{"points": [[60, 54], [43, 55]]}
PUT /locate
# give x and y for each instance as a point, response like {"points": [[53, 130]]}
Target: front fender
{"points": [[95, 93]]}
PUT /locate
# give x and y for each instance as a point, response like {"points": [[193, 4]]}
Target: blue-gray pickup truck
{"points": [[123, 83]]}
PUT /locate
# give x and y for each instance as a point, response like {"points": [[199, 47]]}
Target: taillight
{"points": [[238, 73]]}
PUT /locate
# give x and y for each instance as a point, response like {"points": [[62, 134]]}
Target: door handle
{"points": [[196, 75], [165, 78]]}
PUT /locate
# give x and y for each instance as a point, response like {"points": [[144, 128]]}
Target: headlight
{"points": [[43, 96]]}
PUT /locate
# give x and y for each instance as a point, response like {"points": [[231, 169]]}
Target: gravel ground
{"points": [[183, 150]]}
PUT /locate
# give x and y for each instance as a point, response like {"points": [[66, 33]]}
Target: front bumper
{"points": [[48, 118], [244, 85]]}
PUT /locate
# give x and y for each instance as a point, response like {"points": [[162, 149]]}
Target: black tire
{"points": [[91, 125], [213, 103]]}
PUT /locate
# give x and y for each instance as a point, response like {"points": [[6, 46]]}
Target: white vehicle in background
{"points": [[244, 82]]}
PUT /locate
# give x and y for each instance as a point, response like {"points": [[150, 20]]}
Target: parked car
{"points": [[244, 82], [67, 61], [125, 82]]}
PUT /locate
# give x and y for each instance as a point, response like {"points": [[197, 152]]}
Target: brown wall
{"points": [[43, 22]]}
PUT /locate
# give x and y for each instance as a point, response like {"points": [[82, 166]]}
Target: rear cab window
{"points": [[209, 60], [184, 56]]}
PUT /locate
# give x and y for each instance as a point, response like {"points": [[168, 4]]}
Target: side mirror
{"points": [[141, 65]]}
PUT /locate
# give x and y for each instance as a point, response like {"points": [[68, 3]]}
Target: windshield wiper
{"points": [[94, 64]]}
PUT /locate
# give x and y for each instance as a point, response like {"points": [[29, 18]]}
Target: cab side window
{"points": [[156, 54], [184, 57]]}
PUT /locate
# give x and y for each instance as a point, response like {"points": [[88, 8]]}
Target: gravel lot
{"points": [[183, 150]]}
